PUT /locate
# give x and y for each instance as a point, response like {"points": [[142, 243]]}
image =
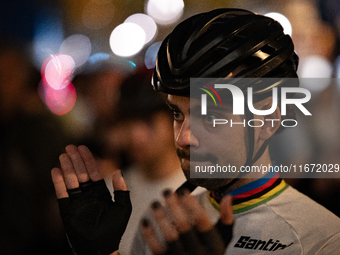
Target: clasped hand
{"points": [[186, 228]]}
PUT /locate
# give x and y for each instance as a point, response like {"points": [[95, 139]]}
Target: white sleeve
{"points": [[332, 247]]}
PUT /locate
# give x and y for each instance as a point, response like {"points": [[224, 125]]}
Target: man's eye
{"points": [[177, 115], [210, 118]]}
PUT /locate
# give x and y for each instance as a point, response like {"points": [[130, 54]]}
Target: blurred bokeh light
{"points": [[165, 12], [60, 101], [151, 55], [285, 23], [78, 47], [57, 71], [145, 22], [127, 39], [98, 57], [315, 67]]}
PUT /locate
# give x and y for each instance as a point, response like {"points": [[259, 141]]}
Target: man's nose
{"points": [[185, 137]]}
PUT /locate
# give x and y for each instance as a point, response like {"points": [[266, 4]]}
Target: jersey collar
{"points": [[252, 194]]}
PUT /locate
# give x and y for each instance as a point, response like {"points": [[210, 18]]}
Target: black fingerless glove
{"points": [[93, 222]]}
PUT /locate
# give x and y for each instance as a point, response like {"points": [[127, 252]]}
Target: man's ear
{"points": [[271, 124]]}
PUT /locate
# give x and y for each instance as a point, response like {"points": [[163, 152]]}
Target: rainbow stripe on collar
{"points": [[253, 194]]}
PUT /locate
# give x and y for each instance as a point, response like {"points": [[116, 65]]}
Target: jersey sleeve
{"points": [[332, 247]]}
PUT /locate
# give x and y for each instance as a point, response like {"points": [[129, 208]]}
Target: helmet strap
{"points": [[250, 160]]}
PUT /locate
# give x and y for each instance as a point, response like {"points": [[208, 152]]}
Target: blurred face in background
{"points": [[144, 139]]}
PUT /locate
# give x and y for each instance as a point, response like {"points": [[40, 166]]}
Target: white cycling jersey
{"points": [[271, 217]]}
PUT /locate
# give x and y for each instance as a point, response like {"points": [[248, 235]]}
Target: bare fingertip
{"points": [[71, 148], [54, 169], [83, 148], [63, 157], [118, 180]]}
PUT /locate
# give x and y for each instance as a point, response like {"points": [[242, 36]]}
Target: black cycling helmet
{"points": [[220, 42], [226, 43]]}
